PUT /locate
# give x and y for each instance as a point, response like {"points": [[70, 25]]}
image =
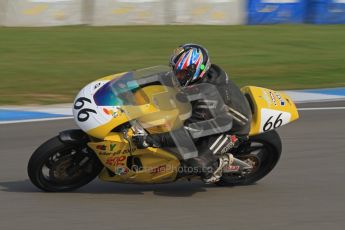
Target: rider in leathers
{"points": [[192, 66]]}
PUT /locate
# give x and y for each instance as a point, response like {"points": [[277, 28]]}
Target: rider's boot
{"points": [[224, 158], [223, 161]]}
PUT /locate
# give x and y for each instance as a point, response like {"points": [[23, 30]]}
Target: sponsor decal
{"points": [[266, 98], [288, 101], [112, 146], [121, 170], [273, 98], [233, 138], [232, 168], [101, 147], [116, 161], [229, 146], [105, 150], [159, 169], [281, 100], [117, 152], [97, 85], [126, 151], [110, 112]]}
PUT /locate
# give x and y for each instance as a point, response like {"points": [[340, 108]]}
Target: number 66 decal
{"points": [[272, 119], [269, 124], [83, 114]]}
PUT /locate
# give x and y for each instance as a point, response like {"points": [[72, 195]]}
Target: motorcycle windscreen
{"points": [[119, 92]]}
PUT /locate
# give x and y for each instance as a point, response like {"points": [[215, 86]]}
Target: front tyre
{"points": [[262, 152], [58, 167]]}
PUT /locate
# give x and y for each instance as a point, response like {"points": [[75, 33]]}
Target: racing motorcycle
{"points": [[110, 110]]}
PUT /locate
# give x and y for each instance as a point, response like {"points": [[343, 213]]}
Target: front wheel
{"points": [[58, 167], [262, 152]]}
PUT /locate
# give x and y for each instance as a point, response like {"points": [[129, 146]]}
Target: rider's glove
{"points": [[143, 141]]}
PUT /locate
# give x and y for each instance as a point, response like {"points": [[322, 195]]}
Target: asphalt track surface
{"points": [[305, 191]]}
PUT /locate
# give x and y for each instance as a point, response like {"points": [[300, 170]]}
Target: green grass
{"points": [[50, 65]]}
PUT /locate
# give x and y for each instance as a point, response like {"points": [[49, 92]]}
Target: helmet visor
{"points": [[183, 77]]}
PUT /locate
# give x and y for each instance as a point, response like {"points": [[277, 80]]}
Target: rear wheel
{"points": [[262, 152], [57, 166]]}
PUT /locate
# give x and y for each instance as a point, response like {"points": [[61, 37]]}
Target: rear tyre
{"points": [[58, 167], [262, 152]]}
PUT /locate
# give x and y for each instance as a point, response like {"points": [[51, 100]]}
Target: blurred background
{"points": [[49, 49]]}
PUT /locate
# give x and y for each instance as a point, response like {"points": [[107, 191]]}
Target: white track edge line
{"points": [[36, 120], [320, 108]]}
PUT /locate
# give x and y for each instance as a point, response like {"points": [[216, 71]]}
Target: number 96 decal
{"points": [[272, 119]]}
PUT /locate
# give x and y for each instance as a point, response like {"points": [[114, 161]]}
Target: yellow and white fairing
{"points": [[154, 106], [271, 109], [156, 109], [120, 161], [89, 116]]}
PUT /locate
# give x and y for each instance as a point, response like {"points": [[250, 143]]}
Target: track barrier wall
{"points": [[124, 12], [326, 12], [215, 12], [41, 12], [276, 11], [162, 12]]}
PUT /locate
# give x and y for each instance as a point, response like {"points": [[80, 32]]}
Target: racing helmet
{"points": [[190, 62]]}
